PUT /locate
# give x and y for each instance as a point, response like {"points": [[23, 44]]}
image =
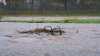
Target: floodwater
{"points": [[79, 40]]}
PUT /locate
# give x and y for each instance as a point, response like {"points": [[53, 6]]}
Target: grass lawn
{"points": [[69, 21], [82, 21], [55, 21], [51, 13]]}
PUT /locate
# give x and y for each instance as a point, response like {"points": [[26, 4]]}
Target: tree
{"points": [[43, 5], [71, 4], [14, 4]]}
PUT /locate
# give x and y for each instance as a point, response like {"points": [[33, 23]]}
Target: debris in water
{"points": [[51, 31]]}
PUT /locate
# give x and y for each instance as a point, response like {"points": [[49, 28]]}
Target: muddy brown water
{"points": [[79, 40]]}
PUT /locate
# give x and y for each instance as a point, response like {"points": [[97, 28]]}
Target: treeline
{"points": [[51, 5]]}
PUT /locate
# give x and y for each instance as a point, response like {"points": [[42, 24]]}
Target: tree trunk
{"points": [[65, 4]]}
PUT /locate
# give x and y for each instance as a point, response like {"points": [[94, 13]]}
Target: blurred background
{"points": [[49, 7]]}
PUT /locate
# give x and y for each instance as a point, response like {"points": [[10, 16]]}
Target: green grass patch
{"points": [[82, 21], [60, 21]]}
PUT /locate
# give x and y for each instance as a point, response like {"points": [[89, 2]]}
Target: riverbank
{"points": [[53, 19]]}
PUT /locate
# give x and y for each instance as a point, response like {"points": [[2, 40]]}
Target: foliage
{"points": [[0, 18]]}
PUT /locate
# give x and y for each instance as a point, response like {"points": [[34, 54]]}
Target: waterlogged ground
{"points": [[79, 40]]}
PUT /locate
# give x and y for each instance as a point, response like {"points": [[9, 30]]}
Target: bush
{"points": [[0, 18]]}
